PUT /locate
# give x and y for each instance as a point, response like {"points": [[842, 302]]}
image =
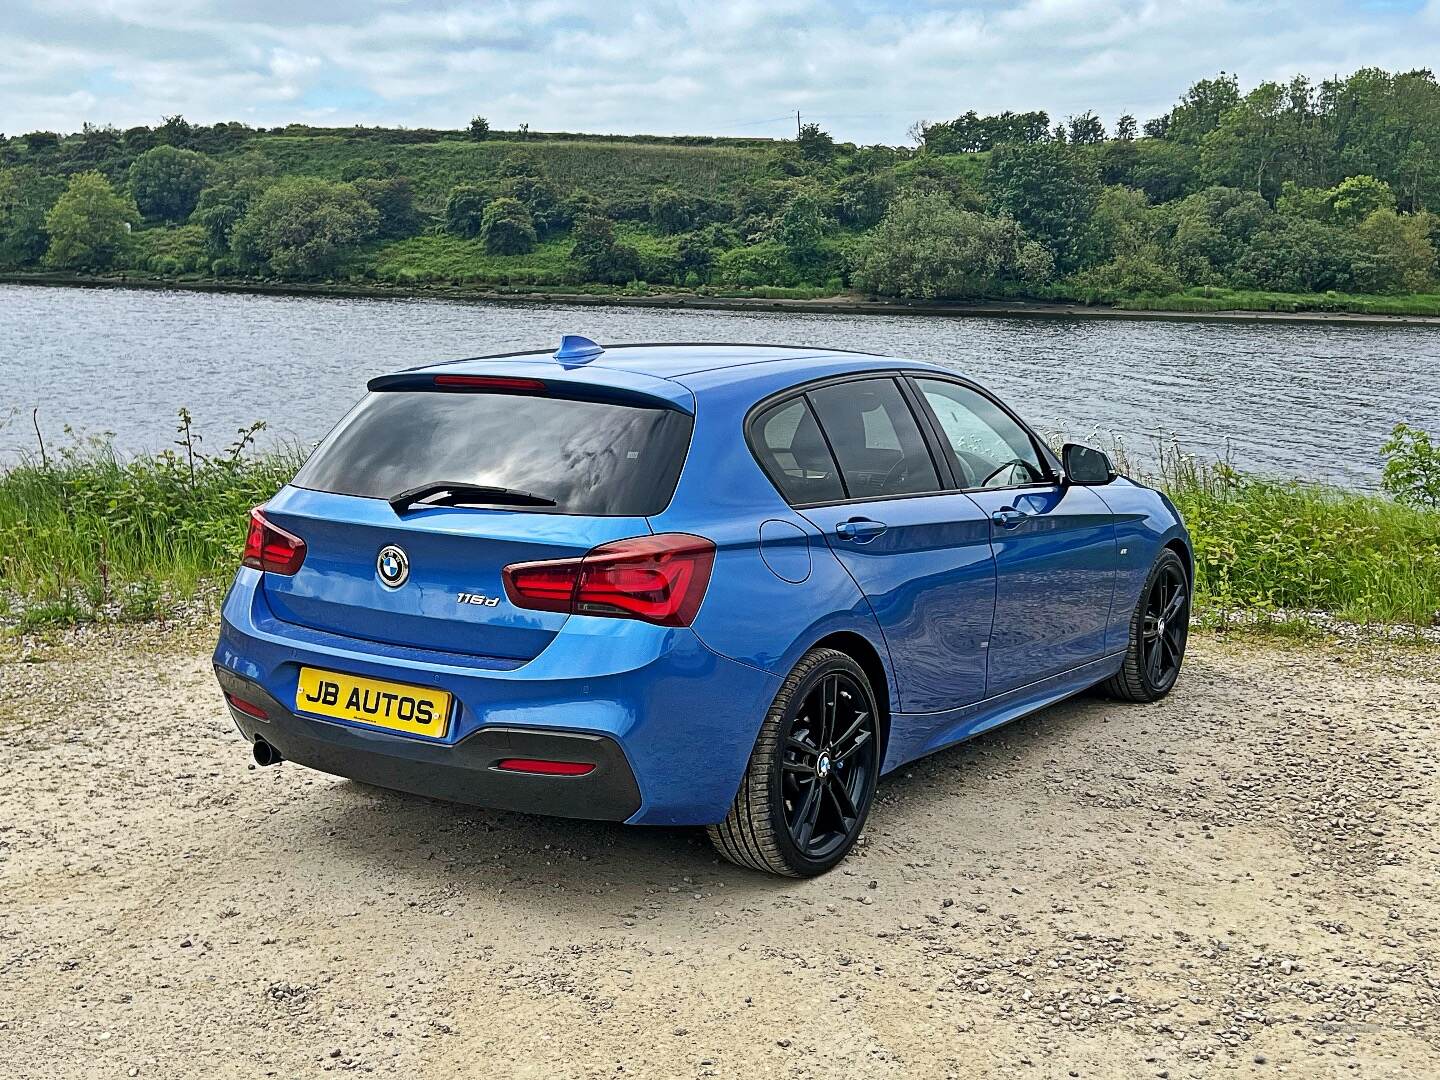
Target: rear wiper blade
{"points": [[446, 493]]}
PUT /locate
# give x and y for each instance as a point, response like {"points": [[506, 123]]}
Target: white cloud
{"points": [[863, 68]]}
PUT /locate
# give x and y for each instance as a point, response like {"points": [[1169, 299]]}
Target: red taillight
{"points": [[247, 708], [491, 382], [270, 548], [659, 579], [546, 768]]}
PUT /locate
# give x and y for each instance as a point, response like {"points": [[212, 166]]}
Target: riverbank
{"points": [[797, 300], [92, 537]]}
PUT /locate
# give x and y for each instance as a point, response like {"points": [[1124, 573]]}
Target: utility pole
{"points": [[797, 123]]}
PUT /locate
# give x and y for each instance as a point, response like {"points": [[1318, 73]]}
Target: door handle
{"points": [[1008, 517], [860, 529]]}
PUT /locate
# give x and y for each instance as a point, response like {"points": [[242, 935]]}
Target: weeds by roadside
{"points": [[88, 536], [85, 534]]}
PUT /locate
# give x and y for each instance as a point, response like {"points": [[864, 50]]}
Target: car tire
{"points": [[815, 763], [1161, 621]]}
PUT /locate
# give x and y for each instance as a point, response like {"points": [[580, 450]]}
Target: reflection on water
{"points": [[1313, 400]]}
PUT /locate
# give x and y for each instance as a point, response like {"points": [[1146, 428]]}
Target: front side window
{"points": [[875, 438], [791, 449], [991, 449]]}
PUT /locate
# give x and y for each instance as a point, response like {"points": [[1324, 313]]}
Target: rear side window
{"points": [[591, 458], [790, 447], [875, 438]]}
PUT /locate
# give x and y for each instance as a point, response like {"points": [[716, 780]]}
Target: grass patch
{"points": [[93, 536], [1213, 299], [605, 168], [440, 257], [89, 536], [1264, 545]]}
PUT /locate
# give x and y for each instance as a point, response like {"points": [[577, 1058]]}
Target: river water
{"points": [[1290, 399]]}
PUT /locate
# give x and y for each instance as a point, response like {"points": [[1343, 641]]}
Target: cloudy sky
{"points": [[865, 69]]}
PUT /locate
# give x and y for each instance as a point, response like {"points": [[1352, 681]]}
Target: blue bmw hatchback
{"points": [[719, 585]]}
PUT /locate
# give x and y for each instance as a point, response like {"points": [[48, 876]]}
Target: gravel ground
{"points": [[1239, 880]]}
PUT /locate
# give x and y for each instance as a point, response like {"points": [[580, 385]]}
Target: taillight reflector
{"points": [[546, 768], [270, 548], [491, 382], [246, 707], [659, 579]]}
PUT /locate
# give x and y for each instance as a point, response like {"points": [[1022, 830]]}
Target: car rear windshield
{"points": [[593, 458]]}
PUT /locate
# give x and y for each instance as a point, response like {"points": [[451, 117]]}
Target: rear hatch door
{"points": [[545, 469]]}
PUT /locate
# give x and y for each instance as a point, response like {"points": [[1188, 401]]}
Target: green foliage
{"points": [[25, 196], [973, 133], [1313, 189], [1412, 467], [506, 228], [814, 144], [541, 198], [465, 209], [303, 228], [801, 229], [91, 534], [443, 258], [393, 199], [598, 256], [756, 265], [927, 248], [671, 212], [1051, 191], [861, 198], [167, 252], [166, 182], [1262, 545], [1395, 253], [221, 208], [89, 225], [1357, 197]]}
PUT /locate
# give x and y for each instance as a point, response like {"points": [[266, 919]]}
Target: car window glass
{"points": [[876, 439], [792, 450], [984, 437]]}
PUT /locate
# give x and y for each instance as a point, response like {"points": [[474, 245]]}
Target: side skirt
{"points": [[938, 732]]}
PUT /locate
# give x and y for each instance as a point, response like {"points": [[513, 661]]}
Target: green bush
{"points": [[167, 181], [1412, 467], [89, 225], [302, 228], [506, 228]]}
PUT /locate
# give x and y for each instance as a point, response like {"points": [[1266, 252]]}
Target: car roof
{"points": [[718, 362]]}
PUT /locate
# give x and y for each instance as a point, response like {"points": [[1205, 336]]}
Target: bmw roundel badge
{"points": [[393, 566]]}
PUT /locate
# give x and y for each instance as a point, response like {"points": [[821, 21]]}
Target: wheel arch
{"points": [[860, 649]]}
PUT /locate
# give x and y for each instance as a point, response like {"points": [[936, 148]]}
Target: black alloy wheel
{"points": [[828, 764], [811, 779], [1158, 632]]}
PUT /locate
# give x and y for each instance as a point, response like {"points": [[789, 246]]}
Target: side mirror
{"points": [[1084, 465]]}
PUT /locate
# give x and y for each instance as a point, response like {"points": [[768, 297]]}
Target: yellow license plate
{"points": [[414, 709]]}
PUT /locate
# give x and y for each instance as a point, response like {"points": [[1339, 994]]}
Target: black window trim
{"points": [[942, 455]]}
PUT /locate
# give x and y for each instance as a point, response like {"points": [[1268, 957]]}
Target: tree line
{"points": [[1297, 187]]}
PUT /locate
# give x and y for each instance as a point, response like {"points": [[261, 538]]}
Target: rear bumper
{"points": [[463, 772], [668, 723]]}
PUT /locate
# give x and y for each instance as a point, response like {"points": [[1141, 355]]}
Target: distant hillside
{"points": [[1286, 196]]}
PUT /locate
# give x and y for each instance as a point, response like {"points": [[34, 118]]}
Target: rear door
{"points": [[505, 473], [1054, 544], [853, 453]]}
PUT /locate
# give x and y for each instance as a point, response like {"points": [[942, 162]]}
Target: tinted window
{"points": [[590, 457], [875, 438], [984, 437], [790, 447]]}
